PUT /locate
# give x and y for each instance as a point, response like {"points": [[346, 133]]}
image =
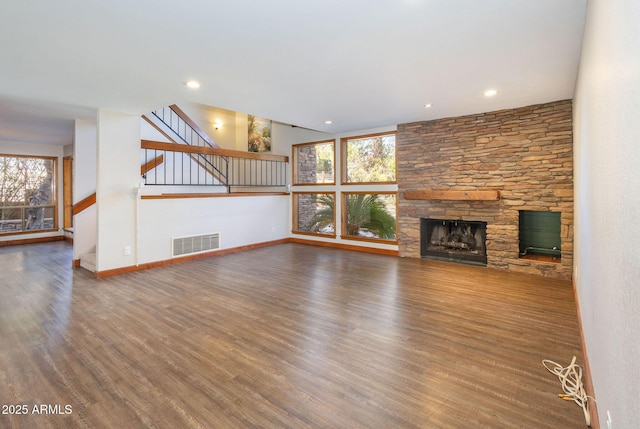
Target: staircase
{"points": [[174, 124], [178, 128], [202, 162], [88, 261]]}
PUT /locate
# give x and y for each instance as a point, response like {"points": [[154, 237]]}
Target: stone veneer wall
{"points": [[525, 153], [306, 164]]}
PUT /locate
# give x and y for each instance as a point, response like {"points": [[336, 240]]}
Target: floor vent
{"points": [[195, 244]]}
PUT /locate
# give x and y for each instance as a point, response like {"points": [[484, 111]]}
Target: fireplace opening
{"points": [[454, 240], [540, 235]]}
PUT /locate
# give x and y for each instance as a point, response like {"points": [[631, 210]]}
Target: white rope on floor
{"points": [[571, 380]]}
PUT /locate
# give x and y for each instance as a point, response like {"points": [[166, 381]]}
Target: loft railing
{"points": [[191, 165], [184, 131], [184, 128]]}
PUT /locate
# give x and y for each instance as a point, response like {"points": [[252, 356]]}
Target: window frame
{"points": [[295, 214], [54, 198], [294, 163], [344, 215], [344, 159]]}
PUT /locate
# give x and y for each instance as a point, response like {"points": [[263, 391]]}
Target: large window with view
{"points": [[369, 159], [27, 194], [314, 213], [369, 216], [314, 163], [360, 204]]}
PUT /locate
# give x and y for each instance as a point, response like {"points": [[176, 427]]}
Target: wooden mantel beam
{"points": [[435, 194]]}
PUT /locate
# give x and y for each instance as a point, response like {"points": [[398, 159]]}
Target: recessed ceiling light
{"points": [[193, 84], [490, 92], [328, 122], [428, 105]]}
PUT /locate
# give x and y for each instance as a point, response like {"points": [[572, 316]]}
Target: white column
{"points": [[118, 176], [84, 185]]}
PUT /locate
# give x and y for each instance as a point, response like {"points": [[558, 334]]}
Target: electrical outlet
{"points": [[127, 250], [609, 420]]}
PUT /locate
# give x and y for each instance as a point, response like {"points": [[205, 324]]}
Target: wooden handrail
{"points": [[157, 128], [152, 164], [174, 147], [84, 204], [213, 195], [172, 140], [193, 125]]}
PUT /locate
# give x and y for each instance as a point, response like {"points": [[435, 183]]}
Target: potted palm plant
{"points": [[366, 213]]}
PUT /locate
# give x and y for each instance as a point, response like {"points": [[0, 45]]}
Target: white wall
{"points": [[607, 205], [240, 221], [242, 133], [84, 184], [233, 132], [206, 116], [118, 175]]}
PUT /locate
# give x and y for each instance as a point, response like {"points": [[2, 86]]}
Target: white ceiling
{"points": [[359, 63]]}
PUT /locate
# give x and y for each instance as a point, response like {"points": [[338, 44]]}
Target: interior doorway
{"points": [[67, 193]]}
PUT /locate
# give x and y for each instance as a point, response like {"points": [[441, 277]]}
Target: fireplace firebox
{"points": [[454, 240]]}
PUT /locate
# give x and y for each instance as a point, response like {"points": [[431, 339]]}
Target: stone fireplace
{"points": [[489, 168], [453, 240]]}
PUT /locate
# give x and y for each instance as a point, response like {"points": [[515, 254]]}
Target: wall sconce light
{"points": [[217, 124]]}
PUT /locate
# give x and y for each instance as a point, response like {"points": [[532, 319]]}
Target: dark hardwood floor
{"points": [[288, 336]]}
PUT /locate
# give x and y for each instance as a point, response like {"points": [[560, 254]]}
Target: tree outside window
{"points": [[314, 213], [369, 216], [369, 159], [368, 213], [27, 197]]}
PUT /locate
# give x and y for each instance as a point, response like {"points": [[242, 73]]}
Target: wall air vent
{"points": [[195, 244]]}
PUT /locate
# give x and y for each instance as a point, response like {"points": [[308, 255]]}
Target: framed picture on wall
{"points": [[259, 134]]}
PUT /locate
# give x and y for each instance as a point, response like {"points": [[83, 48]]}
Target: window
{"points": [[369, 159], [314, 213], [368, 212], [369, 216], [313, 163], [27, 194]]}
